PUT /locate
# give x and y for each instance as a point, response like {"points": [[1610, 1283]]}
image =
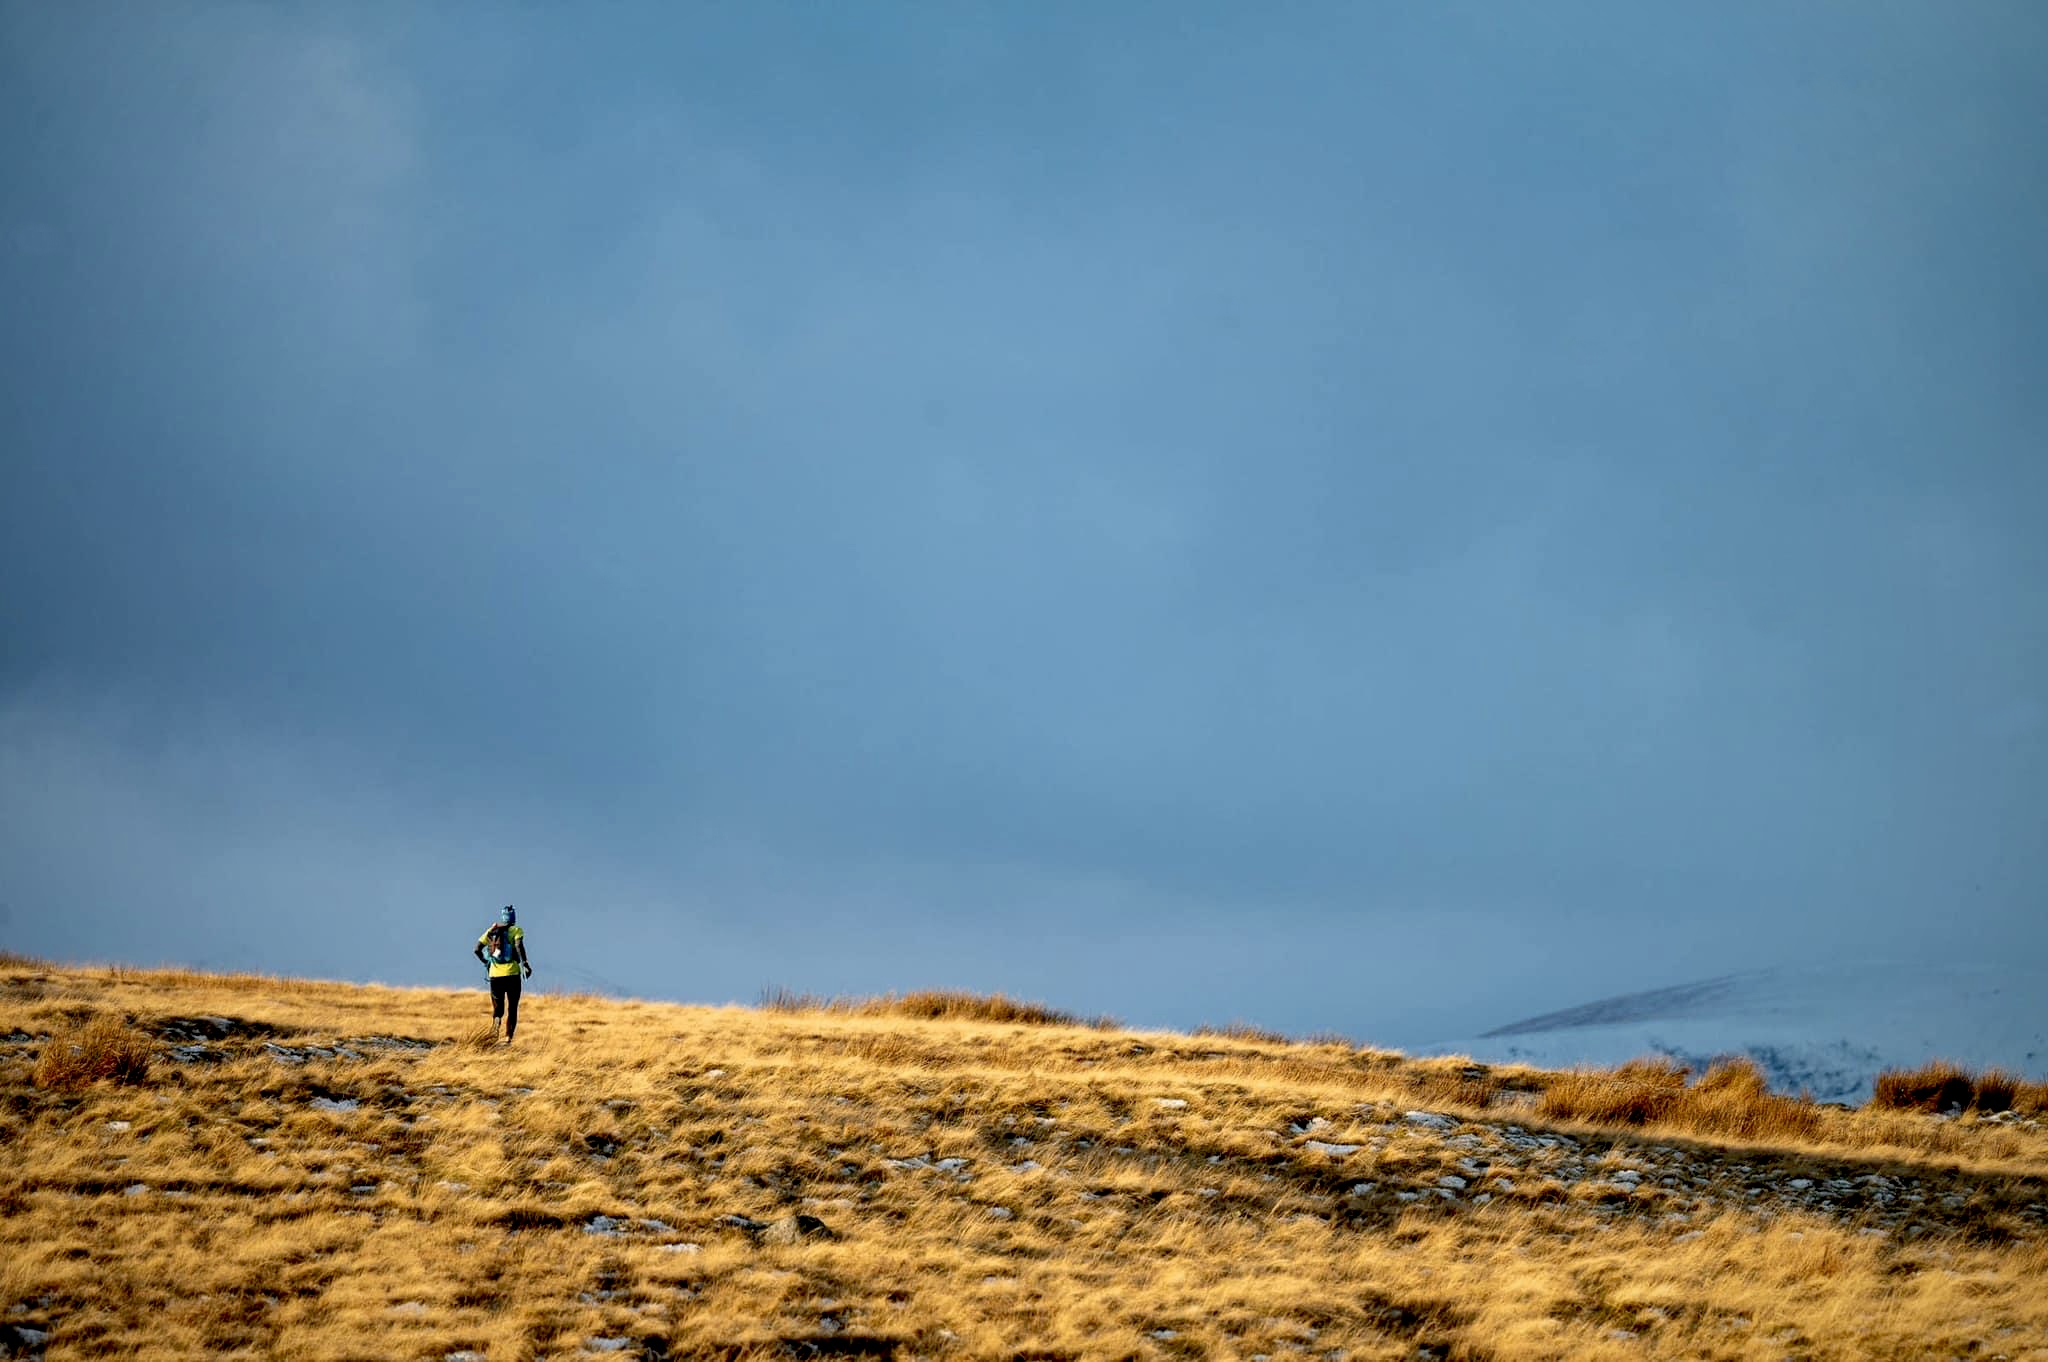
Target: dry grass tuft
{"points": [[99, 1048], [936, 1004], [1243, 1030], [1731, 1099], [1944, 1086]]}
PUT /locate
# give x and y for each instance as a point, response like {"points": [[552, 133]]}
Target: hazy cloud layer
{"points": [[1336, 519]]}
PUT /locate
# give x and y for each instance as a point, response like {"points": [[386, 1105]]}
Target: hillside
{"points": [[316, 1170], [1827, 1030]]}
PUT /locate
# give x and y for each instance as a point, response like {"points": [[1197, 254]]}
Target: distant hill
{"points": [[1828, 1030]]}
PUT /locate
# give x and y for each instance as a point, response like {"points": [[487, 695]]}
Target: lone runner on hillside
{"points": [[502, 949]]}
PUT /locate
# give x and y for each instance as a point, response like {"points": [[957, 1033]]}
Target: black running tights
{"points": [[505, 1001]]}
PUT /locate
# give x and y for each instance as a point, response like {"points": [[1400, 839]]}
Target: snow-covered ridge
{"points": [[1825, 1030]]}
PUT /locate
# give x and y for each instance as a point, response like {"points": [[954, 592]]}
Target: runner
{"points": [[502, 949]]}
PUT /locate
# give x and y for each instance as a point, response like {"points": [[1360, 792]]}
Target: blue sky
{"points": [[1354, 516]]}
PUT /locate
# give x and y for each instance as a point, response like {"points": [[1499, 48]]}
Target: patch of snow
{"points": [[1824, 1029]]}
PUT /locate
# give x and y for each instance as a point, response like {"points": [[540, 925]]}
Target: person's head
{"points": [[506, 916]]}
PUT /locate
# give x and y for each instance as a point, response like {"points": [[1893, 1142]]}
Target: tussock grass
{"points": [[931, 1005], [1943, 1086], [994, 1189], [1731, 1099], [97, 1049]]}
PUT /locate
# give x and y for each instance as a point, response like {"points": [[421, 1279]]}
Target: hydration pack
{"points": [[498, 945]]}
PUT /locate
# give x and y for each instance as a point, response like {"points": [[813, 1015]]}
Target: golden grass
{"points": [[1731, 1099], [931, 1005], [98, 1049], [1944, 1086], [400, 1194]]}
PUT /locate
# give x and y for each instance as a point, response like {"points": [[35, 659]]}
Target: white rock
{"points": [[1172, 1104], [1335, 1150], [1452, 1181], [1800, 1184], [608, 1345], [336, 1103], [1028, 1166], [1431, 1119], [119, 1125], [1000, 1213], [1164, 1334]]}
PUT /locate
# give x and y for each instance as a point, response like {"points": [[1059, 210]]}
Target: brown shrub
{"points": [[99, 1047]]}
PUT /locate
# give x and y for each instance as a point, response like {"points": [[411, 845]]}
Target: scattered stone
{"points": [[1172, 1103], [792, 1229], [336, 1104], [135, 1189], [18, 1340], [682, 1248], [608, 1345], [1432, 1120], [118, 1126], [607, 1226], [1453, 1182], [1000, 1213], [742, 1222], [1334, 1150]]}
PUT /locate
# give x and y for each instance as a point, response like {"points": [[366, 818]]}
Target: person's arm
{"points": [[480, 953], [522, 955]]}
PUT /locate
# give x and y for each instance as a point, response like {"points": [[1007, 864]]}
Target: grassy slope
{"points": [[215, 1208]]}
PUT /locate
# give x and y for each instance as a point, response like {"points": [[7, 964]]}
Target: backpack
{"points": [[498, 944]]}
